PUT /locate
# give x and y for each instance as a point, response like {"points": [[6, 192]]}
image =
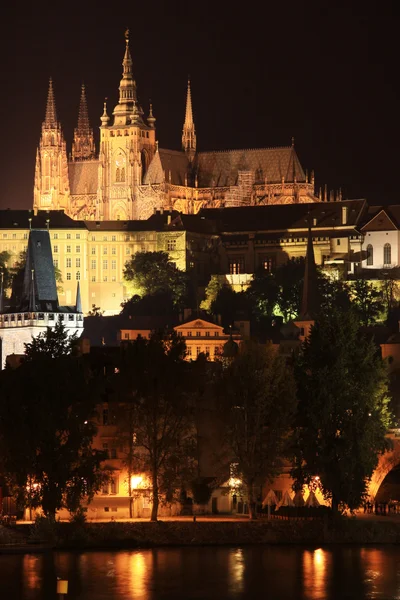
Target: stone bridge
{"points": [[387, 462]]}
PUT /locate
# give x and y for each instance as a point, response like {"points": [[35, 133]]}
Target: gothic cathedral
{"points": [[131, 176]]}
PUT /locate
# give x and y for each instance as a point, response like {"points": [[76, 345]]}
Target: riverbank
{"points": [[145, 534]]}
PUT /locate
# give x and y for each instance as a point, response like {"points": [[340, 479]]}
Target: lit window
{"points": [[105, 250], [198, 350], [113, 264], [113, 238], [77, 249], [93, 250], [68, 248], [68, 263], [68, 276], [78, 262], [93, 278], [55, 236], [189, 351], [113, 250], [387, 254], [104, 238], [93, 264], [198, 333], [55, 249], [78, 276], [208, 350], [236, 265], [370, 255], [68, 236], [171, 245], [105, 264], [78, 236]]}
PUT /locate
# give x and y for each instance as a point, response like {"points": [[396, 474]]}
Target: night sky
{"points": [[323, 73]]}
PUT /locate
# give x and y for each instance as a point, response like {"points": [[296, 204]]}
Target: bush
{"points": [[44, 530]]}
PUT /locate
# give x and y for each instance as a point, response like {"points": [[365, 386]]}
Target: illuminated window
{"points": [[114, 485], [189, 351], [93, 278], [55, 236], [387, 254], [77, 249], [93, 250], [68, 236], [171, 245], [78, 262], [208, 350], [93, 264], [78, 236], [68, 248], [236, 265], [68, 263], [198, 350], [68, 276], [78, 276], [25, 236], [105, 250], [123, 174], [370, 255], [113, 250], [104, 238], [105, 264], [113, 264], [198, 333], [55, 249], [267, 263]]}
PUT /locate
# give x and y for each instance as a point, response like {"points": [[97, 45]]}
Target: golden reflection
{"points": [[137, 570], [236, 570], [314, 573], [30, 570]]}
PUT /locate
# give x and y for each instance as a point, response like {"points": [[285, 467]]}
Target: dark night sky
{"points": [[322, 73]]}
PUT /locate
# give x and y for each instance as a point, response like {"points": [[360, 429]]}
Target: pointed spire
{"points": [[50, 120], [83, 144], [32, 295], [78, 302], [189, 133], [104, 117], [127, 88], [310, 300]]}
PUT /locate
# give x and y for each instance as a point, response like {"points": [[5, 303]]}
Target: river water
{"points": [[256, 572]]}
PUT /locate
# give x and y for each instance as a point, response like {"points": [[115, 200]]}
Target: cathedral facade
{"points": [[130, 177]]}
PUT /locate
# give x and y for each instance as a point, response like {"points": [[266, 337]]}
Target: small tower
{"points": [[83, 144], [51, 187], [310, 303], [127, 89], [189, 133]]}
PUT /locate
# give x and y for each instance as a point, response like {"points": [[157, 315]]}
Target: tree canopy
{"points": [[343, 410]]}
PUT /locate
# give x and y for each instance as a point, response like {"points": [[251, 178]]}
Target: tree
{"points": [[5, 270], [257, 402], [213, 288], [158, 420], [289, 278], [95, 311], [46, 431], [343, 410], [55, 342], [368, 301], [152, 273]]}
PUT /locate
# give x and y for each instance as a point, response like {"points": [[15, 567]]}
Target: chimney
{"points": [[169, 220], [344, 215], [161, 211]]}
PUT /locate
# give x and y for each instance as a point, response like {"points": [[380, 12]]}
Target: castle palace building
{"points": [[130, 176]]}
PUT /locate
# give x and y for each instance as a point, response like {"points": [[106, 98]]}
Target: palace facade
{"points": [[129, 175]]}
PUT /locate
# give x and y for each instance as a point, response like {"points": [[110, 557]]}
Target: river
{"points": [[202, 573]]}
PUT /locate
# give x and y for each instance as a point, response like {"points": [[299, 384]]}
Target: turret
{"points": [[127, 89]]}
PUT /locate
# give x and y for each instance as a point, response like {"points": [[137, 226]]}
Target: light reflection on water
{"points": [[270, 572]]}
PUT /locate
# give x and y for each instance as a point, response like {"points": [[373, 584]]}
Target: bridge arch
{"points": [[387, 462]]}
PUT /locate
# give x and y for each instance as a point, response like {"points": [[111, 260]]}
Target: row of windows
{"points": [[93, 279], [119, 133], [208, 350], [387, 255], [198, 333]]}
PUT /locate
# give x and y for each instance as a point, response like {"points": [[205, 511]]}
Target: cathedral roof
{"points": [[83, 177], [167, 165], [221, 168]]}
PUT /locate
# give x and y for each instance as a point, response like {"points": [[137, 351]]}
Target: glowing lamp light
{"points": [[136, 480]]}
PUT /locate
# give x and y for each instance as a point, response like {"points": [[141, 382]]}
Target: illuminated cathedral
{"points": [[130, 176]]}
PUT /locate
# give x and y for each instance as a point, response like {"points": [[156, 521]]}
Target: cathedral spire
{"points": [[83, 144], [127, 88], [50, 120], [189, 133]]}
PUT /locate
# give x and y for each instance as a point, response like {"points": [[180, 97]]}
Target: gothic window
{"points": [[370, 255], [122, 174], [387, 254], [117, 175]]}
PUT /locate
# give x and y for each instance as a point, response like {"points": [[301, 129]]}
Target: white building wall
{"points": [[378, 239]]}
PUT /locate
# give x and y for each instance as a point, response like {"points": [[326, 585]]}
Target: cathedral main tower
{"points": [[127, 146]]}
